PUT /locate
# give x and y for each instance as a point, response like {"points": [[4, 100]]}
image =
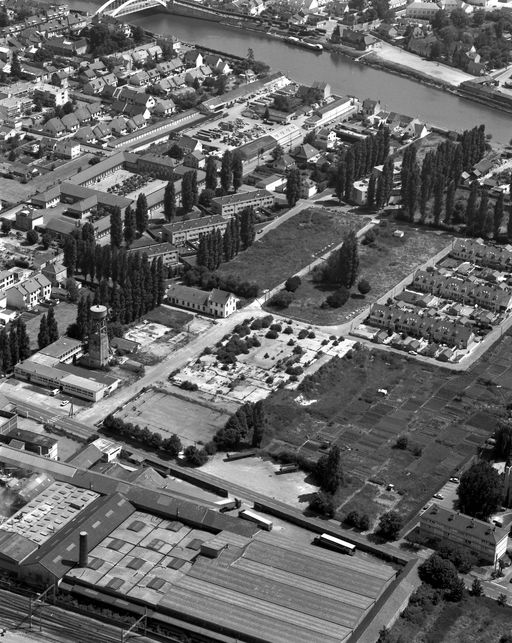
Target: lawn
{"points": [[291, 246], [445, 416], [384, 263], [471, 621]]}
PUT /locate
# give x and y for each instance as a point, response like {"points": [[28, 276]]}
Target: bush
{"points": [[271, 334], [402, 442], [298, 350], [364, 287], [338, 298], [189, 386], [277, 327], [302, 334], [438, 572], [290, 342], [368, 238], [288, 330], [292, 283], [281, 299], [195, 457], [210, 448], [266, 321], [294, 370], [323, 504], [311, 335], [357, 520], [256, 324]]}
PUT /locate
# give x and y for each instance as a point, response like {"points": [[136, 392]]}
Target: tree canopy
{"points": [[480, 491]]}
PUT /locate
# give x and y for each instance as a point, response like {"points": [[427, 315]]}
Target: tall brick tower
{"points": [[98, 338]]}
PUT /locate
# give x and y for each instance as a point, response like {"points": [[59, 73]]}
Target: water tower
{"points": [[98, 338]]}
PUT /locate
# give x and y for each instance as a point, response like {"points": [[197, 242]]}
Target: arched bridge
{"points": [[117, 8]]}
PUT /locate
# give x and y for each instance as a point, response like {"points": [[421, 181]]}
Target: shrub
{"points": [[438, 572], [290, 342], [294, 370], [298, 350], [32, 237], [256, 324], [288, 330], [401, 442], [281, 299], [210, 448], [311, 335], [338, 298], [302, 334], [266, 321], [357, 520], [368, 238], [271, 334], [277, 327], [189, 386], [323, 504], [195, 457], [364, 287], [292, 283]]}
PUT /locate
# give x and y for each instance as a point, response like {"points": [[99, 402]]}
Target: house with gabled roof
{"points": [[218, 303]]}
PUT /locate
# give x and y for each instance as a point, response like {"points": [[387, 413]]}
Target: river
{"points": [[345, 76]]}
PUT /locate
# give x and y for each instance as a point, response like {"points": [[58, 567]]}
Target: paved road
{"points": [[55, 624]]}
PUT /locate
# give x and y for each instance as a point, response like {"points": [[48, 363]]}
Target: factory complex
{"points": [[134, 548]]}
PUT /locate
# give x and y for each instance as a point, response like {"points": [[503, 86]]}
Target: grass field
{"points": [[445, 416], [166, 414], [175, 319], [383, 264], [291, 246], [474, 620]]}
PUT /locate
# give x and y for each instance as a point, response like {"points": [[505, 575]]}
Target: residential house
{"points": [[217, 303], [56, 273], [68, 149], [29, 293]]}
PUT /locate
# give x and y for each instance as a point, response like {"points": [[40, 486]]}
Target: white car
{"points": [[66, 402], [455, 480], [438, 496]]}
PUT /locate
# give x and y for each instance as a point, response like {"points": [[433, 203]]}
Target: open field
{"points": [[175, 319], [445, 417], [472, 621], [383, 264], [193, 420], [291, 246]]}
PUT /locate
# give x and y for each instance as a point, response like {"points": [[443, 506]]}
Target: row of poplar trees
{"points": [[135, 287], [215, 247], [439, 176], [14, 345]]}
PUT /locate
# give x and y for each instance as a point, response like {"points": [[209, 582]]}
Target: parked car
{"points": [[438, 496]]}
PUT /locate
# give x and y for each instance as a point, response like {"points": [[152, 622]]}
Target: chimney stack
{"points": [[83, 554]]}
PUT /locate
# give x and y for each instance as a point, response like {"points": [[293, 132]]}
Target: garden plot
{"points": [[146, 333], [254, 360]]}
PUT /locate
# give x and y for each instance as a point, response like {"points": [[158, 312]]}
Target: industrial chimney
{"points": [[83, 554]]}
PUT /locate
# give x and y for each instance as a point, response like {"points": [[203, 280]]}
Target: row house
{"points": [[468, 291], [29, 293], [491, 256], [409, 322]]}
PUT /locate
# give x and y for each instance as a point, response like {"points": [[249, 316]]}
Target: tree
{"points": [[189, 190], [211, 173], [364, 287], [503, 437], [195, 457], [141, 213], [226, 171], [53, 329], [170, 202], [43, 338], [322, 504], [129, 225], [16, 72], [449, 202], [6, 226], [237, 170], [72, 288], [293, 186], [389, 526], [292, 283], [32, 237], [116, 228], [498, 214], [370, 195], [502, 600], [172, 445], [471, 211], [402, 442], [329, 471], [349, 260], [46, 240], [206, 197], [438, 572], [266, 114], [477, 588], [338, 298], [480, 491]]}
